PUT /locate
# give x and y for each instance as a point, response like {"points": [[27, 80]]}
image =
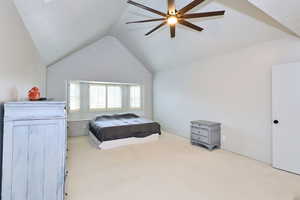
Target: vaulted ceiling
{"points": [[286, 12], [242, 25], [60, 27]]}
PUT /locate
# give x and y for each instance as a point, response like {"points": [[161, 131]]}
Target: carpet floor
{"points": [[172, 168]]}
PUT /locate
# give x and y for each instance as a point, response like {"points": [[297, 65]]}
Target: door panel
{"points": [[37, 155], [51, 164], [62, 148], [286, 109], [19, 160]]}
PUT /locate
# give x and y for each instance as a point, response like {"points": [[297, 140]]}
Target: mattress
{"points": [[113, 127]]}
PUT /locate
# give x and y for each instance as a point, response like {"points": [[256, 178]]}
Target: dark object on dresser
{"points": [[206, 134]]}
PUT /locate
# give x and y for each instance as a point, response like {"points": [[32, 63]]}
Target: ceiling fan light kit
{"points": [[172, 20], [173, 17]]}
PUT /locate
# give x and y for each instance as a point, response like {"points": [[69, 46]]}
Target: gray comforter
{"points": [[112, 127]]}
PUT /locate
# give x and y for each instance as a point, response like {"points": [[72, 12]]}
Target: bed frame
{"points": [[120, 142]]}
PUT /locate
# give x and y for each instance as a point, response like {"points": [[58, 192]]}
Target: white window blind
{"points": [[97, 96], [74, 95], [135, 97], [104, 97], [114, 97]]}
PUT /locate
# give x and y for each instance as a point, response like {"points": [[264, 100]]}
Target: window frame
{"points": [[85, 108], [122, 97], [69, 97], [89, 101], [141, 98], [106, 109]]}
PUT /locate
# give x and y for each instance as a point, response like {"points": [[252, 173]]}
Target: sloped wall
{"points": [[107, 61], [234, 89], [20, 66]]}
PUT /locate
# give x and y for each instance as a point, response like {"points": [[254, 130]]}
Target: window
{"points": [[105, 97], [135, 97], [91, 96], [97, 97], [74, 97], [114, 97]]}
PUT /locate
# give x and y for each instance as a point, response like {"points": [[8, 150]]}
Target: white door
{"points": [[286, 117]]}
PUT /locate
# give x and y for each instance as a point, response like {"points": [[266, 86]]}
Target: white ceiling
{"points": [[242, 25], [286, 12], [59, 27]]}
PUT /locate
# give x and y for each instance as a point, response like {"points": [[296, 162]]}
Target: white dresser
{"points": [[34, 151]]}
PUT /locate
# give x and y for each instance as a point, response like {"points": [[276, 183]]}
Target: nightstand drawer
{"points": [[199, 126], [200, 131], [199, 138]]}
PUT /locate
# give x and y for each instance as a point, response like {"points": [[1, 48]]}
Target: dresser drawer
{"points": [[200, 138], [34, 110], [200, 131]]}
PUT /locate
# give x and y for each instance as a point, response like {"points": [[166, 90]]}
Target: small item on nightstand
{"points": [[206, 134], [34, 94]]}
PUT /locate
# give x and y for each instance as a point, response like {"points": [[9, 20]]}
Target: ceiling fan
{"points": [[173, 16]]}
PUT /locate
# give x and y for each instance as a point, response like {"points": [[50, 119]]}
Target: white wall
{"points": [[106, 61], [20, 66], [234, 89]]}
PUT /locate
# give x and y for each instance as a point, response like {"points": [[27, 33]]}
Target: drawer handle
{"points": [[197, 137]]}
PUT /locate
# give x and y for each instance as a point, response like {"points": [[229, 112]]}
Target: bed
{"points": [[110, 131]]}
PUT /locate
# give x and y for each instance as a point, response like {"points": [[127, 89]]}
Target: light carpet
{"points": [[172, 169]]}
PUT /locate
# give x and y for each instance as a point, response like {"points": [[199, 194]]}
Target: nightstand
{"points": [[205, 133]]}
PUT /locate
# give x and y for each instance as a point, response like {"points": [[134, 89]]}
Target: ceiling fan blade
{"points": [[172, 30], [190, 25], [171, 7], [148, 20], [205, 14], [190, 6], [147, 8], [162, 24]]}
